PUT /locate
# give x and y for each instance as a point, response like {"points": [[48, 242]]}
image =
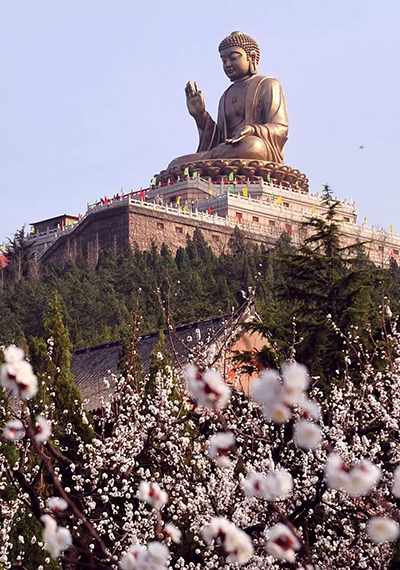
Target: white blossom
{"points": [[295, 376], [173, 532], [356, 481], [220, 444], [14, 430], [13, 354], [152, 494], [336, 473], [57, 538], [43, 430], [310, 408], [277, 397], [307, 435], [282, 543], [18, 377], [208, 388], [383, 529], [396, 482], [266, 388], [277, 411], [236, 543], [275, 485], [362, 478], [155, 557], [128, 560], [217, 528], [57, 504]]}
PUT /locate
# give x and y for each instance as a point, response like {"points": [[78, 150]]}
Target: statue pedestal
{"points": [[242, 170]]}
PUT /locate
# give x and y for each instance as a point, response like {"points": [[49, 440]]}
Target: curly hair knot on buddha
{"points": [[243, 41]]}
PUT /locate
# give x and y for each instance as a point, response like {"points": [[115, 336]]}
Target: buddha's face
{"points": [[235, 62]]}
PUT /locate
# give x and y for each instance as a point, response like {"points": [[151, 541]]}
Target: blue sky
{"points": [[92, 95]]}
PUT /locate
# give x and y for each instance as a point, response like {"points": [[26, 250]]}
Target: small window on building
{"points": [[179, 230], [286, 204], [216, 238], [256, 219], [160, 225], [380, 247], [395, 252], [239, 217], [272, 222], [346, 219], [288, 229]]}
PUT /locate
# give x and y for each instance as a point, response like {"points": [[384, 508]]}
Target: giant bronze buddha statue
{"points": [[251, 130], [252, 119]]}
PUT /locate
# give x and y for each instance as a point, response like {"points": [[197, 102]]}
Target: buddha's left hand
{"points": [[241, 134]]}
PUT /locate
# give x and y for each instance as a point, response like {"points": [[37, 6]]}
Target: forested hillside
{"points": [[317, 281]]}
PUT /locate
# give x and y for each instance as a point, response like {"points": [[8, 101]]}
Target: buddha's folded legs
{"points": [[188, 158], [250, 148]]}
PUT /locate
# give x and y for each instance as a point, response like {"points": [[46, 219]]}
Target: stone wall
{"points": [[106, 229], [113, 228]]}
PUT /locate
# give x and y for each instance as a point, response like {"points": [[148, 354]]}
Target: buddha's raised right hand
{"points": [[195, 103]]}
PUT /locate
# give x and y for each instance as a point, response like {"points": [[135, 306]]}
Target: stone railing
{"points": [[46, 239], [293, 195], [281, 214]]}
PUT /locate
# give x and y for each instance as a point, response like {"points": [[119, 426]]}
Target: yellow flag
{"points": [[245, 192], [365, 220], [178, 200], [211, 191], [279, 200], [314, 209], [185, 208], [391, 228]]}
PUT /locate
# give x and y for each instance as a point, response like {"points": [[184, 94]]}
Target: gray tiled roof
{"points": [[94, 366]]}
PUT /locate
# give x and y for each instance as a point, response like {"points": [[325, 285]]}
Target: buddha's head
{"points": [[240, 55]]}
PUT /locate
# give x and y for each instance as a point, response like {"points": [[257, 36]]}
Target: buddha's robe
{"points": [[257, 101]]}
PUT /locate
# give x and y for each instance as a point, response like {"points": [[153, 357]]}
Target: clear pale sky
{"points": [[92, 95]]}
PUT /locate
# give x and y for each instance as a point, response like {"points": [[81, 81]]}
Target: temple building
{"points": [[171, 211], [97, 368], [46, 231]]}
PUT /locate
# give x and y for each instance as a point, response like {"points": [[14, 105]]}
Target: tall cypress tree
{"points": [[323, 282], [54, 352]]}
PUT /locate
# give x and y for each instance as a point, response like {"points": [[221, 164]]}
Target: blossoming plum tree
{"points": [[204, 477]]}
